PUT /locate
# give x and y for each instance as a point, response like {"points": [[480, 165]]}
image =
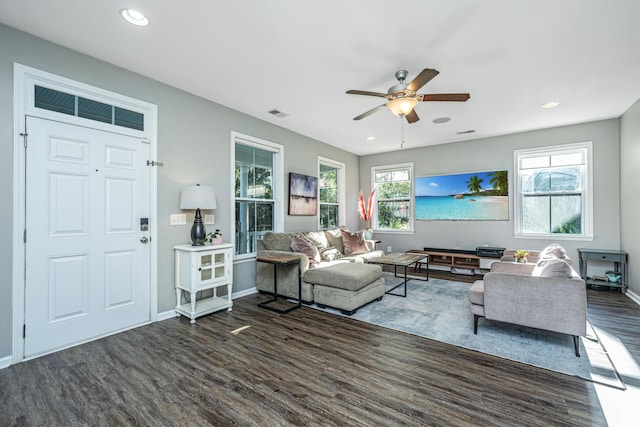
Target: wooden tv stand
{"points": [[456, 258]]}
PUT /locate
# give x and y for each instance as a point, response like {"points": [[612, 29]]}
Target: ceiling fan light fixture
{"points": [[402, 106]]}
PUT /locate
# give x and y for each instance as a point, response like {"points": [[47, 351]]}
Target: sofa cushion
{"points": [[318, 238], [353, 243], [552, 267], [330, 254], [349, 276], [300, 243], [476, 293], [277, 241], [334, 237]]}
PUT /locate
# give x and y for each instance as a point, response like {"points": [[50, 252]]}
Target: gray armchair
{"points": [[555, 300]]}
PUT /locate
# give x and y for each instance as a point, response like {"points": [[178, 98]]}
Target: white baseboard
{"points": [[5, 362], [634, 297], [169, 314]]}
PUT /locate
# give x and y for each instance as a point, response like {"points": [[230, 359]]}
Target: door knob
{"points": [[144, 239]]}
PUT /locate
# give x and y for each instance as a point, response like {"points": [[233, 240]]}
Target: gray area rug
{"points": [[439, 310]]}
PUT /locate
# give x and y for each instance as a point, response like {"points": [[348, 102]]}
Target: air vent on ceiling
{"points": [[464, 132], [278, 113]]}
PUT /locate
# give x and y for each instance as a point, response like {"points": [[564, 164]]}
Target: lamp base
{"points": [[198, 230]]}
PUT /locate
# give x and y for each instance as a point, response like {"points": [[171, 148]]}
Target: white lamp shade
{"points": [[402, 106], [197, 197]]}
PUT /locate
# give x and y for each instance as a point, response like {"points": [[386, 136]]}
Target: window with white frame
{"points": [[394, 193], [331, 189], [554, 191], [257, 172]]}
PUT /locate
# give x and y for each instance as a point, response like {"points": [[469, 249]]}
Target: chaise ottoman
{"points": [[346, 286]]}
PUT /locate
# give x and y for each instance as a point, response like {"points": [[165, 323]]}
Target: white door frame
{"points": [[23, 105]]}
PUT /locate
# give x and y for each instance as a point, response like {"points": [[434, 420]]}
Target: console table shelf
{"points": [[619, 260], [457, 258]]}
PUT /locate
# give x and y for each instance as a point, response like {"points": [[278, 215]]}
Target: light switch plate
{"points": [[178, 219], [209, 219]]}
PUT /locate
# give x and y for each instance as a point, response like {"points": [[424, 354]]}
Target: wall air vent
{"points": [[278, 113]]}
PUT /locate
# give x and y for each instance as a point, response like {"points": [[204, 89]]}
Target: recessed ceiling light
{"points": [[442, 120], [550, 104], [370, 138], [134, 17]]}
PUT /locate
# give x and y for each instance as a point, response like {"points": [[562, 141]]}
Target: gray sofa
{"points": [[363, 286], [548, 295]]}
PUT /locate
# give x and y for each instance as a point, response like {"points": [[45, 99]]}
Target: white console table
{"points": [[200, 268]]}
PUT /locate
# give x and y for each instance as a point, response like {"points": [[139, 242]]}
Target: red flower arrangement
{"points": [[365, 210]]}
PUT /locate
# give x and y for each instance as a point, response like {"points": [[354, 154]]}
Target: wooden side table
{"points": [[281, 260]]}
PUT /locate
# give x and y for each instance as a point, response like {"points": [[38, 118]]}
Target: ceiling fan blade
{"points": [[364, 92], [422, 79], [457, 97], [368, 113], [412, 117]]}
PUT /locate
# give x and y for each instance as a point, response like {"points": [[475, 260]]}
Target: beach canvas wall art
{"points": [[303, 194], [481, 196]]}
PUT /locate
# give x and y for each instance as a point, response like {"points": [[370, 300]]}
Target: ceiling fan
{"points": [[402, 98]]}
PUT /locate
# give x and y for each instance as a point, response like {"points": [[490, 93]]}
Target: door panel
{"points": [[87, 273]]}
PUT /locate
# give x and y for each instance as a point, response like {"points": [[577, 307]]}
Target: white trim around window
{"points": [[340, 167], [278, 184], [542, 158], [411, 199]]}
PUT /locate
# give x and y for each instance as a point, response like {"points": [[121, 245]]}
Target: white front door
{"points": [[87, 268]]}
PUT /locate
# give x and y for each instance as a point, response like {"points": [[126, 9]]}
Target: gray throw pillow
{"points": [[553, 250], [552, 267]]}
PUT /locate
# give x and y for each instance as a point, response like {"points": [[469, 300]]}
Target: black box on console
{"points": [[489, 252]]}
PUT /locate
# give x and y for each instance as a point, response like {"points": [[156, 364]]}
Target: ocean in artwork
{"points": [[462, 208]]}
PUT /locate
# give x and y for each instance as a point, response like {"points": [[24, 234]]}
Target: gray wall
{"points": [[193, 143], [630, 191], [496, 153]]}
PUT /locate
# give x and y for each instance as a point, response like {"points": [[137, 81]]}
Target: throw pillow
{"points": [[334, 237], [300, 243], [552, 267], [553, 250], [353, 243], [318, 238], [330, 254]]}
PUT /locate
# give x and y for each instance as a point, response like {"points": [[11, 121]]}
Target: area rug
{"points": [[439, 310]]}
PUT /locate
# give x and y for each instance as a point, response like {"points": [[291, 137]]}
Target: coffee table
{"points": [[402, 260]]}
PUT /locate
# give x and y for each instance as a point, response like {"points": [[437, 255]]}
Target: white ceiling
{"points": [[300, 57]]}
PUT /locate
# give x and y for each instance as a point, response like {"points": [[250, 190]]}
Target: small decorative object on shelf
{"points": [[521, 256], [214, 238]]}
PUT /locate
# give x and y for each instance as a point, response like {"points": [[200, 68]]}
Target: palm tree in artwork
{"points": [[500, 182], [474, 184]]}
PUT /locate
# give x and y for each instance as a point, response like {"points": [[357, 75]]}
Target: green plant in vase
{"points": [[521, 256], [214, 238]]}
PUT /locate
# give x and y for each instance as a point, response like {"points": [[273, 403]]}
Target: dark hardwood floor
{"points": [[302, 368]]}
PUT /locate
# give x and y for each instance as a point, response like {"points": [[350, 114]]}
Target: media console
{"points": [[458, 261]]}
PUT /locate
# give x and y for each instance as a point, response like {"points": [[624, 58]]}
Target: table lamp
{"points": [[198, 197]]}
